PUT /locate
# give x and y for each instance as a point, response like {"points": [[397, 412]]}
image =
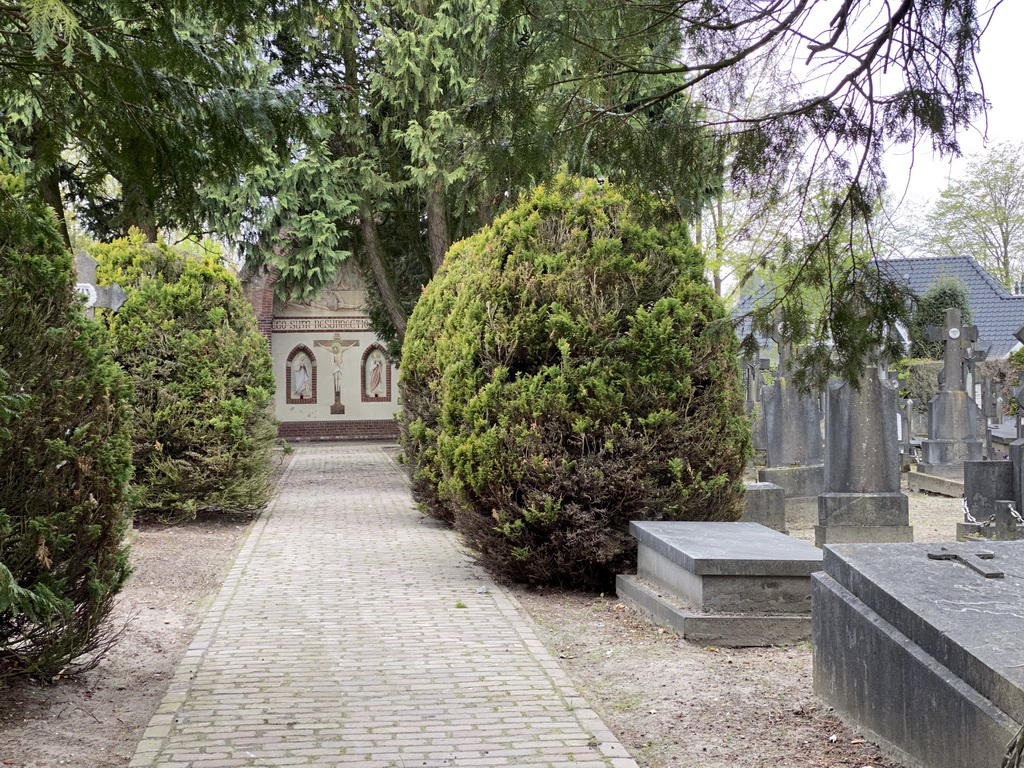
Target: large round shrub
{"points": [[64, 454], [570, 370], [203, 380]]}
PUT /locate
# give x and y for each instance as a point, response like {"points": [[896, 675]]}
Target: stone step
{"points": [[943, 486], [719, 629]]}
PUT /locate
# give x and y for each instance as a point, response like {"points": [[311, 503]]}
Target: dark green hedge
{"points": [[64, 454], [203, 380], [570, 370]]}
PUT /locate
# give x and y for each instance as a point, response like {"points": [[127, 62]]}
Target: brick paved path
{"points": [[337, 640]]}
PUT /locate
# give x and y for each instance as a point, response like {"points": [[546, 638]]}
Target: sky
{"points": [[1003, 78]]}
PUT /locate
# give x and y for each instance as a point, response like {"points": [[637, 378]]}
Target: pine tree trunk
{"points": [[49, 190], [381, 275], [437, 225], [137, 211]]}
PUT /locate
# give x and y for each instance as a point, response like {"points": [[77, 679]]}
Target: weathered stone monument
{"points": [[919, 647], [990, 502], [730, 584], [862, 500], [765, 503], [753, 370], [792, 419], [952, 413], [794, 452]]}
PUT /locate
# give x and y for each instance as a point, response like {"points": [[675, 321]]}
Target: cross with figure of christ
{"points": [[953, 335], [337, 348]]}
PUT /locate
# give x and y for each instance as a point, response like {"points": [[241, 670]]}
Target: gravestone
{"points": [[792, 420], [990, 506], [794, 451], [862, 500], [952, 413], [754, 383], [765, 503], [730, 584], [906, 433], [918, 646], [972, 355], [103, 296]]}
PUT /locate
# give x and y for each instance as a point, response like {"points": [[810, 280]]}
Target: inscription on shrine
{"points": [[322, 324]]}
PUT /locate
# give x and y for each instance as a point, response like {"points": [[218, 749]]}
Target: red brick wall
{"points": [[305, 431], [260, 293]]}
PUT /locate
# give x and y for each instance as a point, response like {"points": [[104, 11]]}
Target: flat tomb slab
{"points": [[923, 654], [728, 549]]}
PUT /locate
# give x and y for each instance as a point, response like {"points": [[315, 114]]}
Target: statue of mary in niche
{"points": [[300, 377]]}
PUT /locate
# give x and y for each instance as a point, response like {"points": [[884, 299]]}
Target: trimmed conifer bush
{"points": [[203, 380], [930, 311], [64, 454], [570, 370]]}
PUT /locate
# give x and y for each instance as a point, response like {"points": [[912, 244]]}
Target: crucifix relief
{"points": [[953, 336], [337, 348]]}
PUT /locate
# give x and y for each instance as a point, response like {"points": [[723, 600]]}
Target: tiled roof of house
{"points": [[997, 312]]}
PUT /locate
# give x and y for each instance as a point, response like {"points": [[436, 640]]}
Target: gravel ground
{"points": [[670, 702]]}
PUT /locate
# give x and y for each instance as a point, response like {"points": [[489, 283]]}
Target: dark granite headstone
{"points": [[792, 425], [862, 500], [923, 654], [985, 483]]}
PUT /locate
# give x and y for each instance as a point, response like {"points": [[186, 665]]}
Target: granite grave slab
{"points": [[919, 646], [732, 584]]}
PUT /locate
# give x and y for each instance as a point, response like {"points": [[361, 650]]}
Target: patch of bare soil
{"points": [[97, 718], [670, 703], [678, 705]]}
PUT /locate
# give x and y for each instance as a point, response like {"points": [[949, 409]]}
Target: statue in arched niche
{"points": [[301, 379], [375, 372]]}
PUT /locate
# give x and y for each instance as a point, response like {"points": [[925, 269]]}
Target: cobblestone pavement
{"points": [[354, 631]]}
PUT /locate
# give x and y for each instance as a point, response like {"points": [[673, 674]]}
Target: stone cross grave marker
{"points": [[753, 367], [785, 348], [972, 355], [337, 347], [105, 296], [953, 335]]}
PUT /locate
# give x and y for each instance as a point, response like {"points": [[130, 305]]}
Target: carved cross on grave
{"points": [[106, 296], [337, 348], [785, 347], [753, 369], [953, 335], [976, 561], [972, 356]]}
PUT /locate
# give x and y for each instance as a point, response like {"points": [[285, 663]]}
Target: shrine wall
{"points": [[334, 378]]}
